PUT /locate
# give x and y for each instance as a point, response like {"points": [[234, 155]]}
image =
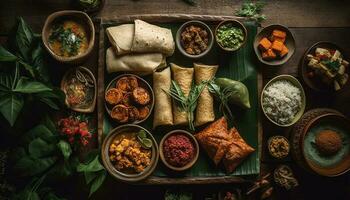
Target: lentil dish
{"points": [[127, 154]]}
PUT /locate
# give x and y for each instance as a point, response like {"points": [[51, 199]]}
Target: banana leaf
{"points": [[239, 66]]}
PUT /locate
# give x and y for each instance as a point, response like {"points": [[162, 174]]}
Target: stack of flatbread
{"points": [[140, 48]]}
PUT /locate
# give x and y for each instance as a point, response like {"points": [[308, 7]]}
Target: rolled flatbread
{"points": [[141, 37], [121, 38], [141, 64], [152, 38], [163, 114], [205, 105], [184, 77]]}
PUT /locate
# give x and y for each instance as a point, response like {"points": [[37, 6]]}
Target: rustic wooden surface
{"points": [[296, 13], [310, 21]]}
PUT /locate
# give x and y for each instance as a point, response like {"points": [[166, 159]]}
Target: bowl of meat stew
{"points": [[194, 39]]}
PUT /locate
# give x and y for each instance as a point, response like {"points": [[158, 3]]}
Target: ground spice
{"points": [[178, 150]]}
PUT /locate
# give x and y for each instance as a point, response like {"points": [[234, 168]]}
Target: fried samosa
{"points": [[237, 151], [214, 139]]}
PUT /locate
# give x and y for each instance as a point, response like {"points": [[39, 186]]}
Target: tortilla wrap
{"points": [[183, 76], [142, 64], [141, 37], [151, 38], [121, 38], [205, 104], [163, 114]]}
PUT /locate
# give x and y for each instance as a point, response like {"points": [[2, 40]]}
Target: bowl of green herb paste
{"points": [[230, 35]]}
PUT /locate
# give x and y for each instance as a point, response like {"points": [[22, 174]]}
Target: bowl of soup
{"points": [[69, 36]]}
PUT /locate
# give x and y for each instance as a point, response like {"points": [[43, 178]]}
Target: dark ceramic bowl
{"points": [[315, 83], [144, 84], [235, 24], [77, 16], [179, 42], [266, 32], [194, 142], [125, 176]]}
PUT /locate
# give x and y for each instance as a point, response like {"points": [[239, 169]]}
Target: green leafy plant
{"points": [[144, 140], [223, 95], [23, 75], [93, 170], [187, 104], [252, 10]]}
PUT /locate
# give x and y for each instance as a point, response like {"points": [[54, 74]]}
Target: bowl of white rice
{"points": [[283, 100]]}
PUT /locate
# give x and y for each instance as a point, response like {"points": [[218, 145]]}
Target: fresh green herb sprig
{"points": [[252, 10], [187, 104], [144, 140], [223, 94]]}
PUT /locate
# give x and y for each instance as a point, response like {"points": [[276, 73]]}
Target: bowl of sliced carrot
{"points": [[274, 45]]}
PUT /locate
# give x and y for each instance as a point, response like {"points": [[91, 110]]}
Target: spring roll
{"points": [[163, 114], [205, 106], [184, 77]]}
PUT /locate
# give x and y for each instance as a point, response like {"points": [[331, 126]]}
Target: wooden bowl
{"points": [[193, 140], [180, 45], [144, 84], [316, 84], [333, 165], [90, 107], [296, 83], [78, 16], [125, 177], [266, 32], [236, 23]]}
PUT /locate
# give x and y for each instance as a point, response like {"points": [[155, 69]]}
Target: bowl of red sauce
{"points": [[179, 150]]}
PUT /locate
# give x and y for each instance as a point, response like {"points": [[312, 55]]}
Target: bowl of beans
{"points": [[179, 150], [194, 39]]}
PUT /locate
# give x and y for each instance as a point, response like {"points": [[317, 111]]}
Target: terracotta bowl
{"points": [[180, 45], [125, 177], [266, 32], [334, 165], [188, 165], [298, 133], [236, 23], [78, 16], [316, 84], [144, 84]]}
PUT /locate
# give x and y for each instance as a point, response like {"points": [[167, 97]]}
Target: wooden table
{"points": [[310, 21]]}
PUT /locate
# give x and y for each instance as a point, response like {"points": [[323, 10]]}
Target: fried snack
{"points": [[123, 84], [143, 112], [133, 83], [183, 76], [205, 106], [141, 96], [214, 139], [238, 150], [264, 44], [120, 113], [163, 112], [114, 96], [134, 113]]}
